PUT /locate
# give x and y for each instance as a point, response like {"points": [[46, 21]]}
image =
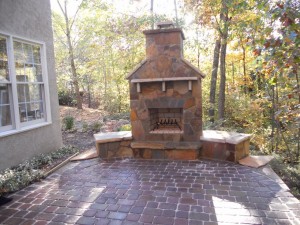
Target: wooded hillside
{"points": [[249, 51]]}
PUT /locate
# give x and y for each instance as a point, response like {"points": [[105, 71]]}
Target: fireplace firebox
{"points": [[165, 120]]}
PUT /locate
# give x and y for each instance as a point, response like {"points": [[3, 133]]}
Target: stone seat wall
{"points": [[219, 145], [223, 145]]}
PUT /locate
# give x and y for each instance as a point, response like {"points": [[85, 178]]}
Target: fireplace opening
{"points": [[165, 120]]}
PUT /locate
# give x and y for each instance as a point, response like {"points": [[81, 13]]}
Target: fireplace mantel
{"points": [[163, 79]]}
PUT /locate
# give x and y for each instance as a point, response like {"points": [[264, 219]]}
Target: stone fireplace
{"points": [[166, 109], [165, 94]]}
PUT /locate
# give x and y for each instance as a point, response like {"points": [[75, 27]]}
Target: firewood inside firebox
{"points": [[165, 120], [167, 123]]}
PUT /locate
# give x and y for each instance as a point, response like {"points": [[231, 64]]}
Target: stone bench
{"points": [[114, 144], [223, 145]]}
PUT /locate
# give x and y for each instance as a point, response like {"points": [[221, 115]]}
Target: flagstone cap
{"points": [[113, 136], [224, 136]]}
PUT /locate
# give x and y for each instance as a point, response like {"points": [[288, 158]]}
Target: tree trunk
{"points": [[71, 55], [74, 75], [233, 79], [152, 14], [213, 81], [198, 49], [244, 69], [224, 19], [221, 109], [273, 119], [89, 93], [298, 88], [276, 119], [176, 16], [105, 84]]}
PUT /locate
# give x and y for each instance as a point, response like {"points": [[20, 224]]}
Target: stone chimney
{"points": [[166, 40]]}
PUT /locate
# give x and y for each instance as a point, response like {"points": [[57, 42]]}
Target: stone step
{"points": [[165, 145]]}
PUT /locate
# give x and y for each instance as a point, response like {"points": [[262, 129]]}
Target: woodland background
{"points": [[249, 51]]}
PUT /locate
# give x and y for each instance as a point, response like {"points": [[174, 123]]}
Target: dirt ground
{"points": [[85, 114], [81, 140], [77, 138]]}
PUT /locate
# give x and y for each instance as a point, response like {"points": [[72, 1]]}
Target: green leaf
{"points": [[273, 81]]}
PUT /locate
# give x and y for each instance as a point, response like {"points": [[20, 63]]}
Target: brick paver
{"points": [[153, 192]]}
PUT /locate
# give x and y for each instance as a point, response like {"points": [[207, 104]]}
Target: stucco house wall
{"points": [[31, 19]]}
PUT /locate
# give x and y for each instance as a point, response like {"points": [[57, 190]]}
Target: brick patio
{"points": [[153, 192]]}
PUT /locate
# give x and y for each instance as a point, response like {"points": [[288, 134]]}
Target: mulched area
{"points": [[81, 140], [153, 192]]}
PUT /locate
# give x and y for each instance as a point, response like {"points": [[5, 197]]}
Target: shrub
{"points": [[126, 127], [96, 126], [118, 116], [17, 177], [85, 126], [289, 173], [64, 98], [68, 122]]}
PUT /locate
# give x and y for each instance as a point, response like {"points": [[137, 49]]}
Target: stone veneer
{"points": [[222, 145], [165, 81], [119, 145]]}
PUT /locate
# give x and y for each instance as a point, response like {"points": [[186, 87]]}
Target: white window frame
{"points": [[18, 126]]}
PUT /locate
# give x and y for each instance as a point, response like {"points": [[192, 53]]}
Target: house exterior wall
{"points": [[31, 19]]}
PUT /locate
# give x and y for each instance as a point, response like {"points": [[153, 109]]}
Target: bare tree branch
{"points": [[74, 18]]}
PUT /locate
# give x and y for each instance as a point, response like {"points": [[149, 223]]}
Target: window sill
{"points": [[23, 129]]}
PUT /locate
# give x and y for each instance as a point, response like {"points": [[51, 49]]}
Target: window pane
{"points": [[18, 52], [36, 110], [35, 92], [3, 60], [38, 73], [28, 53], [3, 51], [29, 92], [23, 112], [5, 118], [3, 71], [37, 54], [31, 111], [29, 72], [23, 93], [4, 96], [20, 72]]}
